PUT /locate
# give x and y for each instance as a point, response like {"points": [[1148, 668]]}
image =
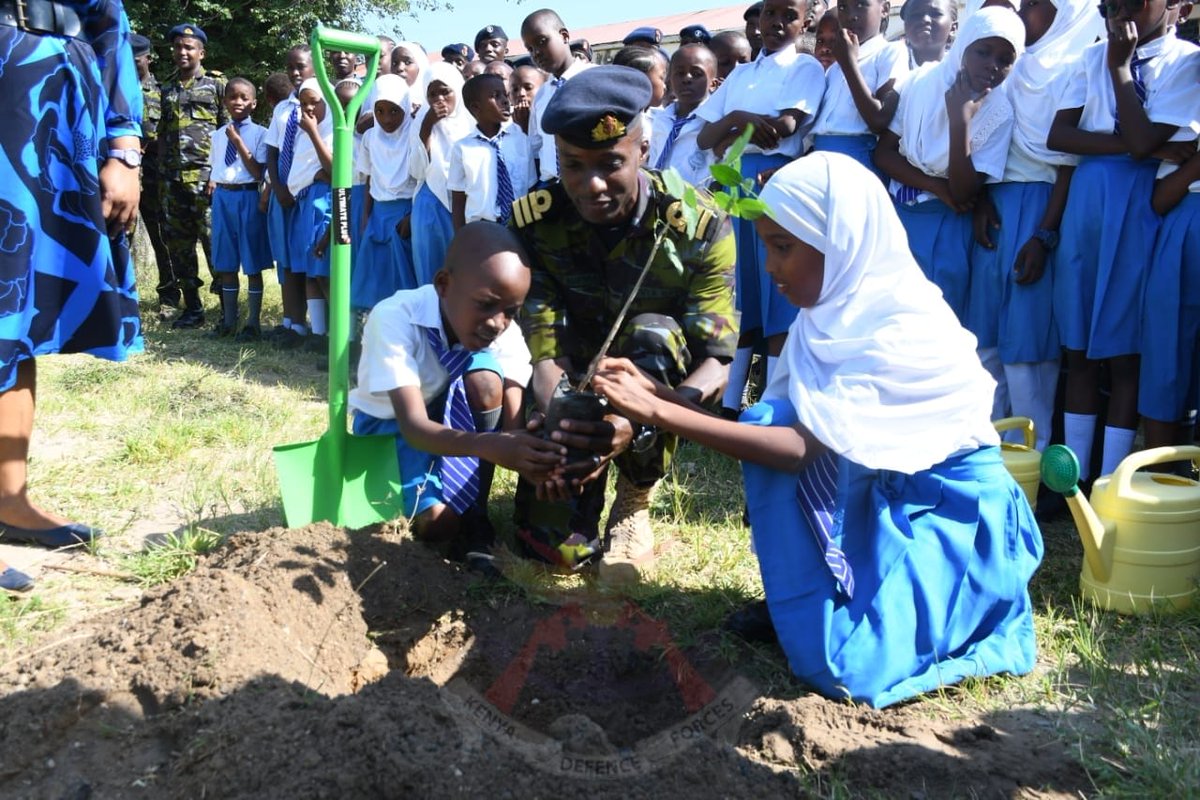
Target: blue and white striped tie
{"points": [[817, 491], [664, 158], [460, 474], [504, 187], [1139, 87], [288, 147], [231, 151]]}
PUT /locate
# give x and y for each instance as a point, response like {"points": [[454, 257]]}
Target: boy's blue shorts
{"points": [[420, 472], [239, 231]]}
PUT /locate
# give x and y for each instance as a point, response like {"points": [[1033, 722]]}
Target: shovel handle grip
{"points": [[1013, 423], [343, 119], [346, 41], [1122, 477]]}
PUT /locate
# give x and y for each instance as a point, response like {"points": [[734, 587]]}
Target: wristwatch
{"points": [[1049, 239], [130, 157], [644, 437]]}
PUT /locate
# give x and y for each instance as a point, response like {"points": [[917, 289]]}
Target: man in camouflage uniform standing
{"points": [[192, 109], [588, 237], [150, 203]]}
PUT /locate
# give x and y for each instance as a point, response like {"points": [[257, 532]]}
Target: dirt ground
{"points": [[317, 663]]}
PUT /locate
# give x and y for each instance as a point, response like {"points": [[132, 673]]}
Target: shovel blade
{"points": [[362, 490]]}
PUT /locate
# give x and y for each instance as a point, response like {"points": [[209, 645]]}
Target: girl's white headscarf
{"points": [[923, 124], [433, 166], [419, 58], [1036, 81], [879, 370], [389, 152]]}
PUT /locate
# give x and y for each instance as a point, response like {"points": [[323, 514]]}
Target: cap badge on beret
{"points": [[187, 31], [607, 129], [489, 30]]}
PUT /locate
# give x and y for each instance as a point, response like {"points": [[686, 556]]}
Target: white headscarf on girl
{"points": [[879, 369], [389, 152], [433, 166], [420, 59], [1035, 84], [923, 123], [973, 7]]}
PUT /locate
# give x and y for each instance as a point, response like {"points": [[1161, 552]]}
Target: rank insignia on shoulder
{"points": [[674, 217], [532, 207]]}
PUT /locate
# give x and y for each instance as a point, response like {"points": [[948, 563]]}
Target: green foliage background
{"points": [[250, 37]]}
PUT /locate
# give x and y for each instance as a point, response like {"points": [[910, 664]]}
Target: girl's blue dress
{"points": [[65, 286], [941, 561]]}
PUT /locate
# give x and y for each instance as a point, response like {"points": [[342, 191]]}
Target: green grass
{"points": [[177, 442]]}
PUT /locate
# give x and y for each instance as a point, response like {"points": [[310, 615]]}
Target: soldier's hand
{"points": [[607, 439], [120, 189]]}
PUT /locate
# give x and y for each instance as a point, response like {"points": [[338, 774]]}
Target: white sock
{"points": [[739, 371], [1031, 390], [990, 358], [300, 329], [316, 316], [287, 322], [771, 362], [1118, 443], [1079, 430]]}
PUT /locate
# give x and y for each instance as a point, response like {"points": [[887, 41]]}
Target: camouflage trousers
{"points": [[150, 216], [186, 221], [656, 344]]}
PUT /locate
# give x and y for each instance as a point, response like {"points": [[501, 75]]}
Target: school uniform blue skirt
{"points": [[358, 201], [1170, 379], [278, 225], [310, 220], [1104, 250], [239, 232], [1017, 319], [941, 563], [383, 264], [759, 301], [940, 240], [860, 147], [432, 230]]}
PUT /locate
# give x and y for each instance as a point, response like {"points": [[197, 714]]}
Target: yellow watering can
{"points": [[1141, 531], [1022, 460]]}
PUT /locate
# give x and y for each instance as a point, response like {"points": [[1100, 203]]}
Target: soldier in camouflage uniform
{"points": [[150, 205], [192, 109], [588, 237]]}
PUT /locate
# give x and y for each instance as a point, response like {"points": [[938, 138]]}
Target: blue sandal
{"points": [[14, 580], [63, 536]]}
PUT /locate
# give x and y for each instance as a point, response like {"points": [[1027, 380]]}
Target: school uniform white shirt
{"points": [[541, 146], [879, 61], [305, 163], [473, 169], [771, 84], [685, 156], [1170, 73], [396, 352], [279, 118], [255, 137], [384, 159]]}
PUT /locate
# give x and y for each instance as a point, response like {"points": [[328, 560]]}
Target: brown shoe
{"points": [[629, 554]]}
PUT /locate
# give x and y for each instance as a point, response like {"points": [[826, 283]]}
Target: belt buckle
{"points": [[22, 17]]}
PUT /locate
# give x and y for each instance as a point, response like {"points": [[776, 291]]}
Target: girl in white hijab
{"points": [[895, 548], [441, 122], [1017, 220], [938, 163]]}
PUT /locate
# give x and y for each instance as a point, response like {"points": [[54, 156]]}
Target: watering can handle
{"points": [[1012, 423], [1122, 477]]}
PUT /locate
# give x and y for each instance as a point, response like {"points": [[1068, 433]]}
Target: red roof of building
{"points": [[715, 19]]}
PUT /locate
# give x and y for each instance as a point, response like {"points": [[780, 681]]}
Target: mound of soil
{"points": [[323, 663]]}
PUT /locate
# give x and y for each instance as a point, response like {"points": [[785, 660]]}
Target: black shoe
{"points": [[316, 343], [221, 331], [753, 623], [192, 318], [288, 340], [250, 333]]}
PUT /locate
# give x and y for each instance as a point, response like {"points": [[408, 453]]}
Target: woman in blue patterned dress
{"points": [[68, 194]]}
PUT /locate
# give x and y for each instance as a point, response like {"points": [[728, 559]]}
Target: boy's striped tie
{"points": [[1139, 86], [504, 187], [664, 157], [231, 151], [460, 474], [816, 491], [288, 146]]}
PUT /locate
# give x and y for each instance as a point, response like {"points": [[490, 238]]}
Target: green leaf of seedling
{"points": [[726, 175], [674, 182], [748, 185], [724, 201], [734, 153], [668, 248], [750, 208], [690, 211]]}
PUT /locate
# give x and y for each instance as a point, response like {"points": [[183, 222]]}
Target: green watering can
{"points": [[1140, 532], [347, 480]]}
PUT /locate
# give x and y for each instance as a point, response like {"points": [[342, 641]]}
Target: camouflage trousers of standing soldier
{"points": [[656, 344], [150, 216], [186, 221]]}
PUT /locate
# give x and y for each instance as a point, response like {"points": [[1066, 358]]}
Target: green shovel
{"points": [[351, 481]]}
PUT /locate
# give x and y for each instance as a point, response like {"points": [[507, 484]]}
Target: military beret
{"points": [[753, 11], [595, 108], [490, 32], [186, 29], [459, 50], [645, 34], [695, 33], [139, 43]]}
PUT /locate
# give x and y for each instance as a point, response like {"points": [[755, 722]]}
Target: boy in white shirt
{"points": [[443, 369], [239, 229], [489, 168], [549, 44], [691, 76]]}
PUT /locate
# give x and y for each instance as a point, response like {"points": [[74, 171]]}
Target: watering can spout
{"points": [[1060, 472]]}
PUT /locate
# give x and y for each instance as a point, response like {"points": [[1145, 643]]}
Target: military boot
{"points": [[630, 547]]}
